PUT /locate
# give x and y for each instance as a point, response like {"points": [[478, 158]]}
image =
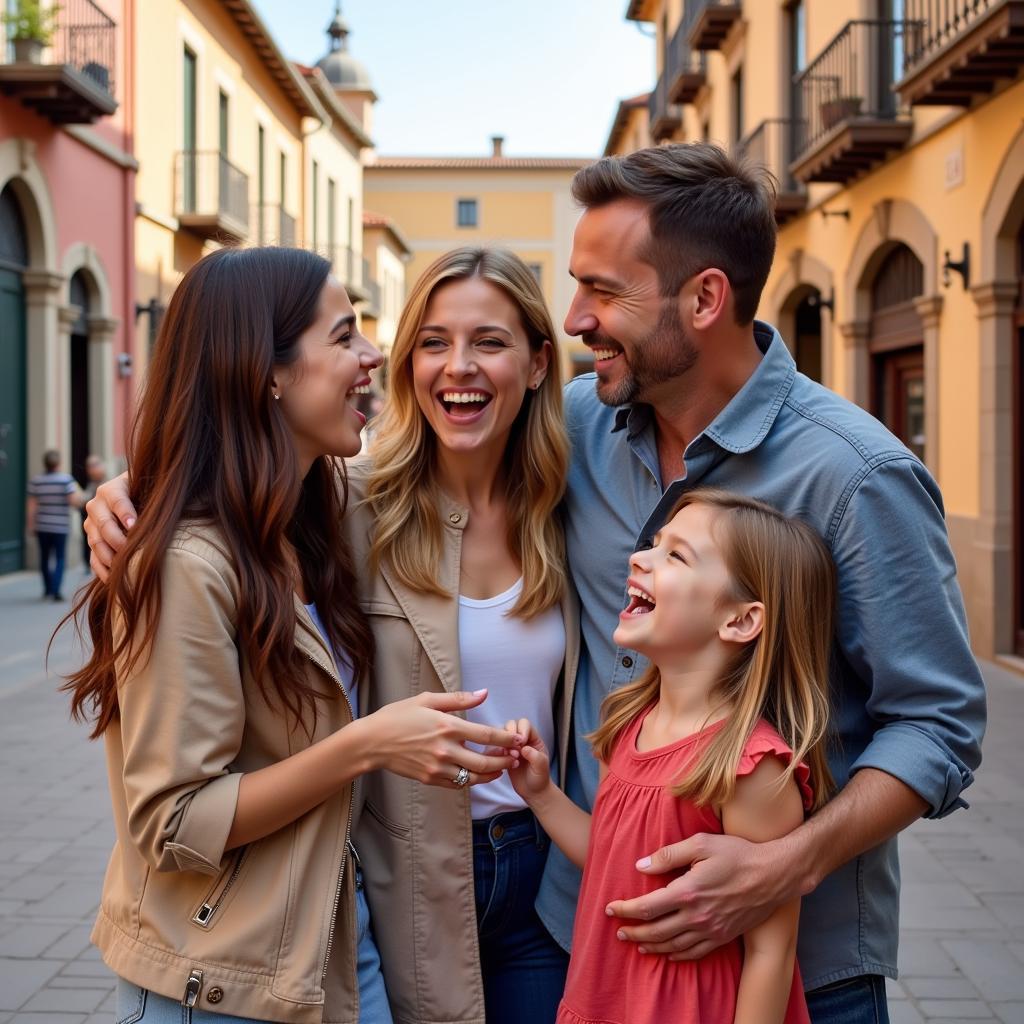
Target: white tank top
{"points": [[519, 662]]}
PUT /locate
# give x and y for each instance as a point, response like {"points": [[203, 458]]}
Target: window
{"points": [[737, 105], [222, 122], [316, 203], [466, 213], [332, 216], [261, 184], [188, 140]]}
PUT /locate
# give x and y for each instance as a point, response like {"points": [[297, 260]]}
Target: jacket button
{"points": [[497, 831], [215, 995], [627, 661], [455, 518]]}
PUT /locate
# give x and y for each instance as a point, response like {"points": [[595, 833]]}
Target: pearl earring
{"points": [[277, 397]]}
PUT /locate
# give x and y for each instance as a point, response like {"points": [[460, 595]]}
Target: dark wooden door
{"points": [[12, 421], [899, 395]]}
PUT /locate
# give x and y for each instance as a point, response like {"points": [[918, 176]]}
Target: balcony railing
{"points": [[709, 21], [773, 144], [959, 49], [71, 80], [664, 117], [685, 69], [373, 292], [271, 225], [212, 198], [851, 118]]}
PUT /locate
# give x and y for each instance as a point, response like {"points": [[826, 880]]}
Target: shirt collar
{"points": [[743, 424]]}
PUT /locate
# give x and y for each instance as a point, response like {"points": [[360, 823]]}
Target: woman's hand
{"points": [[531, 775], [109, 514], [418, 738]]}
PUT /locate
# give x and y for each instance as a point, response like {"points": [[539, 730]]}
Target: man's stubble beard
{"points": [[666, 354]]}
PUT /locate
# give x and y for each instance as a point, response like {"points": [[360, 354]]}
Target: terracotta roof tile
{"points": [[472, 163]]}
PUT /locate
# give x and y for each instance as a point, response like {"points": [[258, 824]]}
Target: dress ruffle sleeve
{"points": [[765, 740]]}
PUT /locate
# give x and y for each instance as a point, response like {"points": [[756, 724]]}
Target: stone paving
{"points": [[962, 941]]}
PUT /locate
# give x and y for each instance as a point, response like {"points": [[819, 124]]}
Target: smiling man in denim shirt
{"points": [[670, 257]]}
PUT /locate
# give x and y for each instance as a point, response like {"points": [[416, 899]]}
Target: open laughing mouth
{"points": [[604, 354], [464, 405], [640, 602]]}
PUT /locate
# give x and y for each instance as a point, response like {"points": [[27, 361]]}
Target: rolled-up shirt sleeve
{"points": [[902, 629], [182, 715]]}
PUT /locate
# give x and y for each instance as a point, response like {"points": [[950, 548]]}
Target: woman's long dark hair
{"points": [[209, 443]]}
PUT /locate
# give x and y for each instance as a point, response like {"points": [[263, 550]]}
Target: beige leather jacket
{"points": [[262, 931], [415, 842]]}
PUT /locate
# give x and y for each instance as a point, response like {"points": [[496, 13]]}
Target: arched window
{"points": [[13, 236], [78, 296]]}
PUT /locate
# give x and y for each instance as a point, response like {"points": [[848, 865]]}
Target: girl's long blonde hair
{"points": [[402, 488], [781, 675]]}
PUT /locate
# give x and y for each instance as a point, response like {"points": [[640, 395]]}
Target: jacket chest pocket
{"points": [[396, 671]]}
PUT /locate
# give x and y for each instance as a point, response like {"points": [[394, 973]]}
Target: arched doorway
{"points": [[896, 347], [14, 261], [78, 294], [807, 335], [1018, 453]]}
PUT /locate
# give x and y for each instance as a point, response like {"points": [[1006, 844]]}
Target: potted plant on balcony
{"points": [[840, 109], [31, 27]]}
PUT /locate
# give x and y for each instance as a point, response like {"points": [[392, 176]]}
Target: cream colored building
{"points": [[519, 203], [239, 146], [631, 127], [387, 253], [896, 138]]}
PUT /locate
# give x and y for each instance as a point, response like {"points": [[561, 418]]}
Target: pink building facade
{"points": [[67, 304]]}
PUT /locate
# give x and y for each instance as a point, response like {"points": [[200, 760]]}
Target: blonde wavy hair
{"points": [[781, 675], [402, 488]]}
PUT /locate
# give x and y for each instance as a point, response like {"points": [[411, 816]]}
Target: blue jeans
{"points": [[138, 1006], [51, 548], [523, 967], [859, 1000]]}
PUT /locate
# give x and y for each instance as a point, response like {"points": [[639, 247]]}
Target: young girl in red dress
{"points": [[723, 733]]}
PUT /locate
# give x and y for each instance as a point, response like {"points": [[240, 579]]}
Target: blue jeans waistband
{"points": [[507, 828]]}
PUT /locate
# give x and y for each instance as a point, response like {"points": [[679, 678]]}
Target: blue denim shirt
{"points": [[908, 697]]}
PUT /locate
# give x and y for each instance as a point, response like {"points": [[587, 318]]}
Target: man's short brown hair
{"points": [[706, 210]]}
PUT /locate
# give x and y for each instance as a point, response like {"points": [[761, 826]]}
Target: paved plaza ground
{"points": [[962, 941]]}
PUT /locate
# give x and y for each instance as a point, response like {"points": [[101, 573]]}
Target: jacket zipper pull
{"points": [[193, 987]]}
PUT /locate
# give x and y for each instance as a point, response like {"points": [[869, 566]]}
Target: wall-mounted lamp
{"points": [[124, 364], [816, 301], [961, 266], [825, 214], [155, 310]]}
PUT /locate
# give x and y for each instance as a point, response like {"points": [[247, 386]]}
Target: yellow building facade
{"points": [[896, 138], [517, 203]]}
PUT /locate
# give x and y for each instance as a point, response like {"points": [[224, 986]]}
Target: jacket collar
{"points": [[744, 423]]}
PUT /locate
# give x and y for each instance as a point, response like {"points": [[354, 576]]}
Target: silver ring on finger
{"points": [[461, 778]]}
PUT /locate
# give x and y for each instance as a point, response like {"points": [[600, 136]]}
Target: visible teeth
{"points": [[363, 389], [642, 595], [605, 353], [462, 397]]}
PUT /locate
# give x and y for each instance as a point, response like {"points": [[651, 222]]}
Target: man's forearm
{"points": [[873, 807]]}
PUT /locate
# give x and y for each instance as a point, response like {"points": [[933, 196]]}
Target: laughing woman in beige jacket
{"points": [[226, 652]]}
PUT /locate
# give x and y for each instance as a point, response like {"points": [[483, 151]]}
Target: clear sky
{"points": [[546, 74]]}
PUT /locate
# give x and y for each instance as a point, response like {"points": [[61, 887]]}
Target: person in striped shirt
{"points": [[50, 495]]}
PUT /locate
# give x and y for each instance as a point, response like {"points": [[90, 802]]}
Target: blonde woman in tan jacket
{"points": [[226, 654]]}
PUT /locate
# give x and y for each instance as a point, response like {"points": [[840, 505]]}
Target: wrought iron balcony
{"points": [[709, 22], [685, 69], [348, 267], [212, 196], [960, 49], [773, 144], [851, 117], [70, 80], [373, 293], [665, 117]]}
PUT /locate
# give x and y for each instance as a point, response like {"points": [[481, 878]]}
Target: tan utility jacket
{"points": [[248, 932], [416, 842]]}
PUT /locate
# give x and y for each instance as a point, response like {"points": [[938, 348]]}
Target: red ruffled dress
{"points": [[609, 981]]}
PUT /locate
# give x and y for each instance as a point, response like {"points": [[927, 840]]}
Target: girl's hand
{"points": [[531, 775], [109, 514], [419, 739]]}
